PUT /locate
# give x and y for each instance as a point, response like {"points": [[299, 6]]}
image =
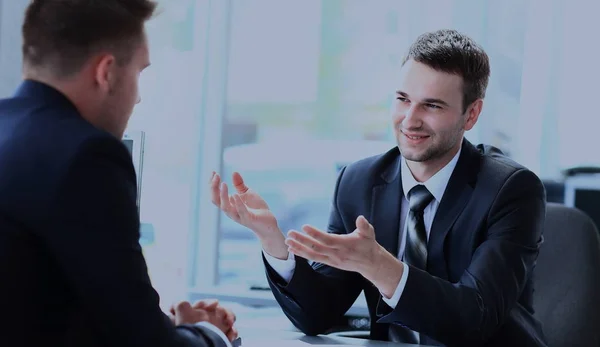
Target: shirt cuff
{"points": [[216, 331], [284, 268], [393, 301]]}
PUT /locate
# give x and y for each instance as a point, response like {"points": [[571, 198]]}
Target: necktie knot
{"points": [[418, 198]]}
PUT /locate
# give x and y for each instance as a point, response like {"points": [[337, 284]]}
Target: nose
{"points": [[412, 118]]}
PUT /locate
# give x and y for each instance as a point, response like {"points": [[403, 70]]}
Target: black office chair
{"points": [[567, 279], [555, 190]]}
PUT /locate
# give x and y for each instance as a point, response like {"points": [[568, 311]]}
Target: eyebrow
{"points": [[427, 100]]}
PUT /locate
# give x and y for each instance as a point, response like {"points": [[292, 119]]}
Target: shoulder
{"points": [[494, 160], [42, 142], [374, 168], [499, 175], [497, 166], [95, 153]]}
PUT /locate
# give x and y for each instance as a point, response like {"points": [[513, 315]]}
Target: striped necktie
{"points": [[415, 252]]}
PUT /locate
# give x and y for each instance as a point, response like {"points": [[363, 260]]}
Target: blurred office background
{"points": [[287, 91]]}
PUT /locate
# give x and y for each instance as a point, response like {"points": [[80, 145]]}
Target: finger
{"points": [[220, 316], [238, 183], [231, 318], [199, 305], [226, 205], [364, 227], [183, 312], [212, 305], [309, 255], [214, 189], [303, 251], [183, 306], [224, 197], [324, 238], [207, 304], [241, 209], [232, 334], [309, 242]]}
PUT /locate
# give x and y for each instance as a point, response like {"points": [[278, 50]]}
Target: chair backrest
{"points": [[555, 190], [567, 278]]}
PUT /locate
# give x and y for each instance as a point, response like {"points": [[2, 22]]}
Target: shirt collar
{"points": [[436, 184]]}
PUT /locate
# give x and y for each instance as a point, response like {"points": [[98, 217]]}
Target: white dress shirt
{"points": [[436, 186], [216, 331]]}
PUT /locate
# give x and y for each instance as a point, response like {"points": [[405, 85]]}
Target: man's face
{"points": [[123, 93], [428, 113]]}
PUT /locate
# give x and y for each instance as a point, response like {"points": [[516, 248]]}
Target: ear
{"points": [[473, 112], [104, 72]]}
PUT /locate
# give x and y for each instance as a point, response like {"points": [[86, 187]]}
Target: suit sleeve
{"points": [[471, 311], [317, 295], [94, 236]]}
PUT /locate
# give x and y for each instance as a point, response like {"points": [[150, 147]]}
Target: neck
{"points": [[424, 170]]}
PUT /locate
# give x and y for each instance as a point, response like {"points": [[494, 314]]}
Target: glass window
{"points": [[170, 117], [309, 89]]}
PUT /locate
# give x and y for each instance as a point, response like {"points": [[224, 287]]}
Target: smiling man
{"points": [[440, 234]]}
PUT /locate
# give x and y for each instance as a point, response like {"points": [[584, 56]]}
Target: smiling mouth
{"points": [[415, 137]]}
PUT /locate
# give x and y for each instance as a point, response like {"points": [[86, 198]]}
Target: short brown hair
{"points": [[61, 35], [452, 52]]}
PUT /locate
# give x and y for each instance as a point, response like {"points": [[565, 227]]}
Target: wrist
{"points": [[274, 245], [386, 272], [371, 271]]}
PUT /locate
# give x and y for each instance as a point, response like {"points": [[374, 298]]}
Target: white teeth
{"points": [[415, 137]]}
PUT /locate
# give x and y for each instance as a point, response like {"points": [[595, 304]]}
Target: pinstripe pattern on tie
{"points": [[415, 252]]}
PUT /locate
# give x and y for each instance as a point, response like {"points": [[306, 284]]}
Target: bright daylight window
{"points": [[309, 92]]}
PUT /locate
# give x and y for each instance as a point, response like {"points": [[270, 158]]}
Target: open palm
{"points": [[246, 207]]}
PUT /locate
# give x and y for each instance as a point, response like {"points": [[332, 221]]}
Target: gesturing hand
{"points": [[249, 209], [246, 207], [357, 251]]}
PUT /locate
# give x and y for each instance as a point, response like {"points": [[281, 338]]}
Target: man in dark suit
{"points": [[71, 266], [442, 236]]}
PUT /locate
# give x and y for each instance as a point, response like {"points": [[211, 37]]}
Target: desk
{"points": [[268, 326], [294, 339], [263, 298]]}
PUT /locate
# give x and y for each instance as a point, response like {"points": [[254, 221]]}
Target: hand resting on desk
{"points": [[205, 311]]}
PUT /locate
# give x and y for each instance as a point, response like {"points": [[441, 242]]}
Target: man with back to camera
{"points": [[72, 269], [441, 235]]}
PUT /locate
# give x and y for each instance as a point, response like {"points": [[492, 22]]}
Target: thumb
{"points": [[207, 305], [183, 312], [363, 226], [213, 305], [238, 183]]}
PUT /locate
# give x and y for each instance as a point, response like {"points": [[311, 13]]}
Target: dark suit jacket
{"points": [[482, 248], [71, 266]]}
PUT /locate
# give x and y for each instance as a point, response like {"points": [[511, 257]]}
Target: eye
{"points": [[402, 99], [433, 106]]}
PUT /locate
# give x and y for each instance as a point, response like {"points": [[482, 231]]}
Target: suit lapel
{"points": [[385, 207], [457, 194], [387, 198], [385, 214]]}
